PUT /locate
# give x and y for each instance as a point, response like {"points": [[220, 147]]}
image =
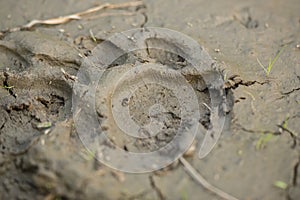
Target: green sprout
{"points": [[263, 140], [284, 125], [184, 195], [271, 62], [8, 87], [44, 125]]}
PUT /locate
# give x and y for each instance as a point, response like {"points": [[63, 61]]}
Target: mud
{"points": [[151, 105], [41, 155]]}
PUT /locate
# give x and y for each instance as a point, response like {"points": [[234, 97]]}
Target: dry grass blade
{"points": [[271, 62], [192, 171], [75, 16], [54, 21], [110, 6]]}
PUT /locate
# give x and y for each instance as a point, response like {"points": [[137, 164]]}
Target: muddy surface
{"points": [[41, 156]]}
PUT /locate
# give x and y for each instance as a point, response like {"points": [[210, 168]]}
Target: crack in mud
{"points": [[283, 127], [292, 134], [235, 81], [291, 91], [257, 131], [143, 9], [295, 172], [51, 61], [2, 126], [145, 20], [156, 189], [18, 107]]}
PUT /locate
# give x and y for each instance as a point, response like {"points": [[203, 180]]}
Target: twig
{"points": [[207, 106], [68, 76], [200, 179], [93, 36], [75, 16]]}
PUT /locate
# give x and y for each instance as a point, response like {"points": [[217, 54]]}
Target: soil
{"points": [[259, 145]]}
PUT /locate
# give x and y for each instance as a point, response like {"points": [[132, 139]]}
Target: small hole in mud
{"points": [[125, 148]]}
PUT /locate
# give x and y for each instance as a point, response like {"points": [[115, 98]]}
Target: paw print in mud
{"points": [[143, 97]]}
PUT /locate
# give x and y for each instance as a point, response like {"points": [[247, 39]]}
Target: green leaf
{"points": [[285, 123], [43, 125], [280, 184], [8, 87]]}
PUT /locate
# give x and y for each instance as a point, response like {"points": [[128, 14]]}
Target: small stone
{"points": [[240, 152], [217, 50]]}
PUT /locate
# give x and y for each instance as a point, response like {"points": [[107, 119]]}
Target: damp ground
{"points": [[258, 154]]}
